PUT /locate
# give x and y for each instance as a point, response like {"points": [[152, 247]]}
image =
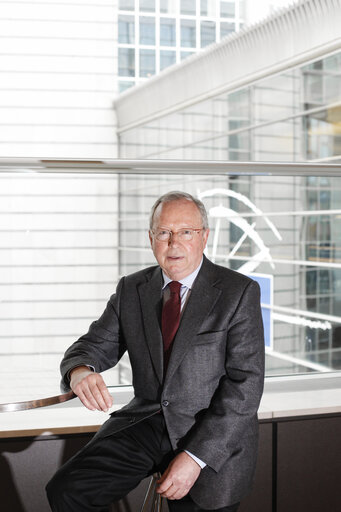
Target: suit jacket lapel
{"points": [[201, 301], [150, 299]]}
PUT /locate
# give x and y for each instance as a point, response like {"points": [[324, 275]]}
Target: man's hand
{"points": [[90, 388], [179, 477]]}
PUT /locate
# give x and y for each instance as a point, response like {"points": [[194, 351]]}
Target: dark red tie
{"points": [[170, 319]]}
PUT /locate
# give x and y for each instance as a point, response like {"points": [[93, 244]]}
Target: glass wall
{"points": [[66, 240], [172, 29], [292, 116]]}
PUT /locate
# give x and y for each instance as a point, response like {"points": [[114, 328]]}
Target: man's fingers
{"points": [[85, 401], [94, 397], [179, 477], [164, 485], [91, 390], [105, 394]]}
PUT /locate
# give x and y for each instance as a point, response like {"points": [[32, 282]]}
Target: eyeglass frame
{"points": [[172, 233]]}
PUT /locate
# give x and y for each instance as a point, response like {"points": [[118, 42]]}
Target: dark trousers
{"points": [[108, 468]]}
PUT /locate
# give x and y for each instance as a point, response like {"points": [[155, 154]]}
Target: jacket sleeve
{"points": [[102, 346], [232, 414]]}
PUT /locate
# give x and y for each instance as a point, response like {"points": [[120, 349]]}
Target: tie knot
{"points": [[174, 287]]}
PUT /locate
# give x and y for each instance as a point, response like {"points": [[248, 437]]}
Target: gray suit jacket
{"points": [[211, 392]]}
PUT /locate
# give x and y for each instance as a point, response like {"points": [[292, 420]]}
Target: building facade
{"points": [[267, 93], [283, 105]]}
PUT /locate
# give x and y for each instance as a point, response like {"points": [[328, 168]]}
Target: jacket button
{"points": [[132, 420], [165, 403]]}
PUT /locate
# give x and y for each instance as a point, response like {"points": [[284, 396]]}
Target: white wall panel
{"points": [[56, 150], [47, 29], [60, 83], [18, 45], [53, 204], [55, 64], [52, 276], [31, 221], [57, 239], [42, 310], [58, 69], [55, 11], [56, 99], [37, 293], [67, 134], [84, 115], [51, 257]]}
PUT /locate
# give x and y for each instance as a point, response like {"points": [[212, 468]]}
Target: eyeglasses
{"points": [[184, 235]]}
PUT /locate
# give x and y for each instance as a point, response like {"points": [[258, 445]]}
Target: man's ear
{"points": [[150, 238]]}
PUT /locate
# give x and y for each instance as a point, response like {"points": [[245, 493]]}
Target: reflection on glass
{"points": [[126, 62], [147, 63], [188, 36], [323, 133], [188, 7], [207, 33], [167, 58], [123, 85], [208, 8], [226, 28], [184, 55], [167, 32], [270, 114], [60, 264], [126, 5], [322, 81], [227, 9], [147, 30], [147, 5], [126, 29], [167, 6]]}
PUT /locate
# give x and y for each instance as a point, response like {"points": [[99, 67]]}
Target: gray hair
{"points": [[177, 196]]}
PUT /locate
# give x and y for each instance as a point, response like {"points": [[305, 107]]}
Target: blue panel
{"points": [[266, 289]]}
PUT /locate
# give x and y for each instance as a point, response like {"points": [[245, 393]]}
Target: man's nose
{"points": [[173, 239]]}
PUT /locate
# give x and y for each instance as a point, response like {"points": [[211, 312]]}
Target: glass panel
{"points": [[147, 63], [168, 6], [188, 36], [126, 5], [322, 82], [188, 7], [226, 28], [323, 133], [184, 55], [124, 85], [147, 30], [277, 97], [204, 7], [299, 337], [126, 62], [167, 32], [207, 33], [126, 29], [167, 58], [227, 9], [208, 8], [61, 261], [147, 5]]}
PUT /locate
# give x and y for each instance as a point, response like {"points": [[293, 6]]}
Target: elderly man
{"points": [[194, 334]]}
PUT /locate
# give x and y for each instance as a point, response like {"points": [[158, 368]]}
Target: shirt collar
{"points": [[185, 281]]}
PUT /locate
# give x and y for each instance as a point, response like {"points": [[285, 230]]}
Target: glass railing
{"points": [[70, 229]]}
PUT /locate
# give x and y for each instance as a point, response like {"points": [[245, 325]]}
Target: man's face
{"points": [[178, 258]]}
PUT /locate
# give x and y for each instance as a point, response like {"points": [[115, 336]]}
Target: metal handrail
{"points": [[187, 167], [40, 402]]}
